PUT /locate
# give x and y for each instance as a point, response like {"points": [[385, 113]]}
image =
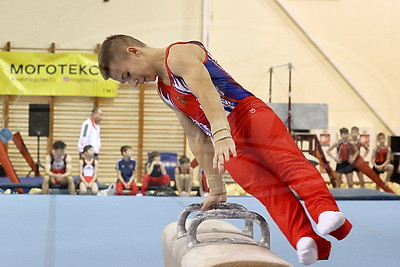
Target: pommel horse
{"points": [[211, 242]]}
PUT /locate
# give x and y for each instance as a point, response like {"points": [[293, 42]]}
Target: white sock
{"points": [[307, 250], [329, 221]]}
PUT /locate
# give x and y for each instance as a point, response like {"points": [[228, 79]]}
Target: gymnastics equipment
{"points": [[304, 116], [19, 143], [289, 106], [363, 166], [315, 149], [5, 135], [205, 241], [8, 168]]}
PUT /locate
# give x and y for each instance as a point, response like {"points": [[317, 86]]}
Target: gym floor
{"points": [[63, 230]]}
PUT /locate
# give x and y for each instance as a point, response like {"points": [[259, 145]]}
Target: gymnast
{"points": [[229, 128]]}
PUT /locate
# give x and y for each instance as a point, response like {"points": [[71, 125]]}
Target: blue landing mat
{"points": [[63, 230]]}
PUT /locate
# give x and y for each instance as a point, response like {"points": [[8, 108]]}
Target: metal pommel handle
{"points": [[181, 224], [228, 214]]}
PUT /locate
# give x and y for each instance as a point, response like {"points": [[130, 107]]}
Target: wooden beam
{"points": [[184, 144], [96, 102], [7, 47], [6, 103], [6, 115], [96, 49], [53, 48], [141, 132], [51, 126]]}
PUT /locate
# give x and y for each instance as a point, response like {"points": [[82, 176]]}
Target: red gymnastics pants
{"points": [[157, 181], [269, 164], [119, 190]]}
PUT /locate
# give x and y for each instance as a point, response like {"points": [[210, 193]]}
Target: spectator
{"points": [[126, 172], [88, 166], [346, 155], [184, 177], [58, 169], [90, 133], [156, 174], [381, 158], [355, 140]]}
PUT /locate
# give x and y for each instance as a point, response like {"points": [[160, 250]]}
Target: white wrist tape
{"points": [[215, 184], [220, 130], [219, 125]]}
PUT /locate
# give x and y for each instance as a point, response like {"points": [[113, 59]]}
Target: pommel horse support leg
{"points": [[210, 242]]}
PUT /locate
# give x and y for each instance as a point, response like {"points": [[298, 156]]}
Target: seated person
{"points": [[126, 172], [156, 174], [88, 166], [58, 169], [183, 177], [380, 158]]}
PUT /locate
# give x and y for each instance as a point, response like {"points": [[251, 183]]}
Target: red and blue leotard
{"points": [[178, 95], [269, 165]]}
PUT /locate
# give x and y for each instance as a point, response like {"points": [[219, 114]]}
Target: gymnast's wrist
{"points": [[220, 129], [215, 184]]}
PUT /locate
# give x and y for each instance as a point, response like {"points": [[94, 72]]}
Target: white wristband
{"points": [[215, 184]]}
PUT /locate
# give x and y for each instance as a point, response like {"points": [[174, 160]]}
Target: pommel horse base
{"points": [[210, 242]]}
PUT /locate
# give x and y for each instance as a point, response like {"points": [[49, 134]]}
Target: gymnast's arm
{"points": [[200, 144], [388, 157], [203, 150], [334, 145], [68, 167], [366, 148], [373, 158], [47, 167], [186, 61]]}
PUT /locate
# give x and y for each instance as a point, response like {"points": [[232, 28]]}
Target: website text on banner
{"points": [[66, 74]]}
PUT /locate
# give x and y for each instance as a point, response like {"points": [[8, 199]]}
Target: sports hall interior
{"points": [[340, 55]]}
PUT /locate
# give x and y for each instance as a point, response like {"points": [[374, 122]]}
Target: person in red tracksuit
{"points": [[227, 127], [156, 174], [381, 158]]}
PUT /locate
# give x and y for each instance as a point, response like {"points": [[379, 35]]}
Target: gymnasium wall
{"points": [[81, 25], [247, 38], [360, 37]]}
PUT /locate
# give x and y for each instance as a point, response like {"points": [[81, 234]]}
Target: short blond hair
{"points": [[112, 49]]}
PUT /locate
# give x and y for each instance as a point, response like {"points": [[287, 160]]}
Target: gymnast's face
{"points": [[345, 136], [133, 67], [381, 140], [89, 152], [128, 153], [354, 134]]}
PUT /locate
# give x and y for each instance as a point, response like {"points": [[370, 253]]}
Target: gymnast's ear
{"points": [[133, 51]]}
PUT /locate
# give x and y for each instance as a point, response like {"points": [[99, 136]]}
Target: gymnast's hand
{"points": [[212, 199], [222, 151]]}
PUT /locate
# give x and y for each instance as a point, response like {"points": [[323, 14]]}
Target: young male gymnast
{"points": [[229, 128]]}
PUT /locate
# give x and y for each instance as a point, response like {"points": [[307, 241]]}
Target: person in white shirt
{"points": [[90, 132]]}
